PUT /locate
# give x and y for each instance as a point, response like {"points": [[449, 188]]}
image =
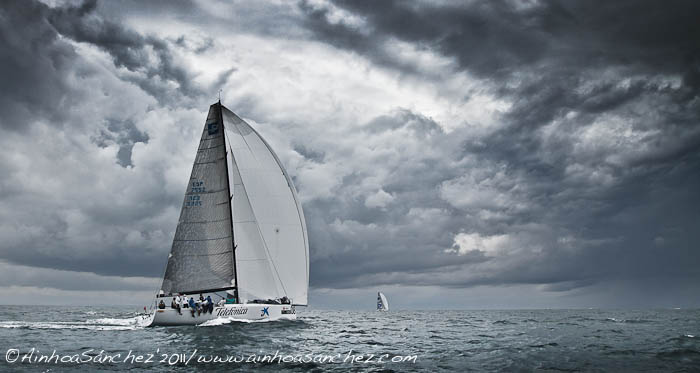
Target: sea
{"points": [[105, 339]]}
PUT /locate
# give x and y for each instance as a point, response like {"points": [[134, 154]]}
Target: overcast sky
{"points": [[451, 154]]}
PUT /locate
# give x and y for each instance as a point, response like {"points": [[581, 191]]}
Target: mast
{"points": [[230, 200]]}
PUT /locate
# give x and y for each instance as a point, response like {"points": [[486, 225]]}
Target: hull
{"points": [[236, 312]]}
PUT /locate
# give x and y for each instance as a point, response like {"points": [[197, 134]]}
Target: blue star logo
{"points": [[265, 312]]}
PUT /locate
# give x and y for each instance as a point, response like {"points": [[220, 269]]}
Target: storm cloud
{"points": [[551, 148], [602, 117]]}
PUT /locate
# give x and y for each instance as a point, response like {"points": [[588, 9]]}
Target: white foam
{"points": [[132, 323], [116, 322], [227, 320], [60, 325]]}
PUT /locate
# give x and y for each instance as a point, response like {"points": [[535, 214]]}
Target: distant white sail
{"points": [[382, 303]]}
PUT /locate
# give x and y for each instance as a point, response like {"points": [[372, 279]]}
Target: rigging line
{"points": [[220, 117], [274, 266]]}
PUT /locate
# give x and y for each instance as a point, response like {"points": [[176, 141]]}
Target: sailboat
{"points": [[382, 303], [241, 237]]}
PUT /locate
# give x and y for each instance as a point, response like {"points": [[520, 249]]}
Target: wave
{"points": [[551, 344], [138, 321], [683, 339], [680, 353], [132, 323], [503, 322], [629, 321]]}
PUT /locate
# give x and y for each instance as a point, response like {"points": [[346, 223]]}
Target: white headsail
{"points": [[268, 222]]}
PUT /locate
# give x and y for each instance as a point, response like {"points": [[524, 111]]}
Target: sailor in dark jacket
{"points": [[193, 307], [210, 305]]}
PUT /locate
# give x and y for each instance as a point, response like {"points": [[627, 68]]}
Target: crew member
{"points": [[193, 307], [176, 304], [210, 304], [230, 298]]}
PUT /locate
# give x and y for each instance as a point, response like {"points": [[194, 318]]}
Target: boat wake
{"points": [[227, 320], [132, 323]]}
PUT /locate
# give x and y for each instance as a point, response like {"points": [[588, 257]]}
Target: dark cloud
{"points": [[584, 175], [47, 104], [403, 118], [604, 118], [310, 154], [125, 134], [388, 235], [499, 39], [35, 65], [64, 280], [130, 50], [40, 65], [198, 48]]}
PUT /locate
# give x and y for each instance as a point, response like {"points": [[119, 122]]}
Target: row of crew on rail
{"points": [[203, 305]]}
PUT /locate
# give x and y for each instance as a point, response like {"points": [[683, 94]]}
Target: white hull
{"points": [[243, 312]]}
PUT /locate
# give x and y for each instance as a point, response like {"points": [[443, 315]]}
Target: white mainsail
{"points": [[201, 256], [382, 303], [254, 241]]}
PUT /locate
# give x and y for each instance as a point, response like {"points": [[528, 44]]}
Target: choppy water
{"points": [[525, 340]]}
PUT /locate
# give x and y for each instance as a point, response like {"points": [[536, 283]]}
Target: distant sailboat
{"points": [[241, 231], [382, 303]]}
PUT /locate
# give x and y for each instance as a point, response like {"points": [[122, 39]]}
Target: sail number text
{"points": [[194, 199]]}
